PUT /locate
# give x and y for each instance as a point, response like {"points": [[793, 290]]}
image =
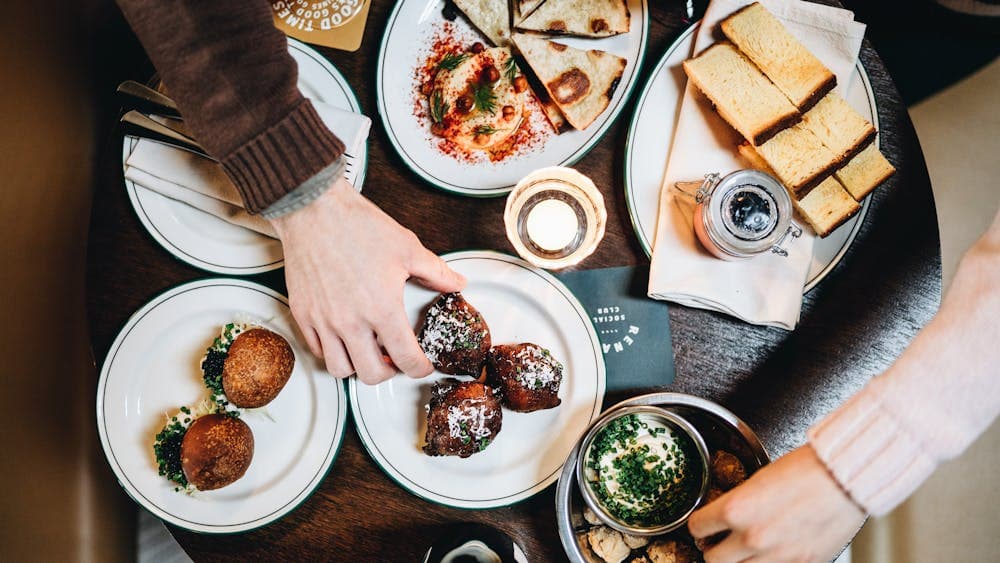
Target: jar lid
{"points": [[747, 212]]}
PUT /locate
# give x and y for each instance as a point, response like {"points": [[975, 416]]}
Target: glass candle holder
{"points": [[555, 217]]}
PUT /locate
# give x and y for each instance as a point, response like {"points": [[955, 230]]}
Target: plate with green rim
{"points": [[153, 369], [407, 44], [651, 133], [520, 303]]}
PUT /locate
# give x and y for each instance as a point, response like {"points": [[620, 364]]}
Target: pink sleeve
{"points": [[941, 393]]}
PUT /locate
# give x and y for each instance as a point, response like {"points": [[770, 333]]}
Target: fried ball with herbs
{"points": [[527, 375], [454, 336], [463, 418], [727, 470]]}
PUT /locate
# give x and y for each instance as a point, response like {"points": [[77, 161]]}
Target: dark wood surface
{"points": [[853, 324]]}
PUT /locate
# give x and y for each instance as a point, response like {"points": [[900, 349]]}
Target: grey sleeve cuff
{"points": [[307, 192]]}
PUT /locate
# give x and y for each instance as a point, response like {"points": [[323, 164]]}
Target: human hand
{"points": [[790, 510], [345, 266]]}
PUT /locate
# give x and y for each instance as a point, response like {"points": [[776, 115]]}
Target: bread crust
{"points": [[257, 367], [216, 451]]}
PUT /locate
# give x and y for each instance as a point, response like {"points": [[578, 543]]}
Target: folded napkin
{"points": [[766, 289], [201, 183]]}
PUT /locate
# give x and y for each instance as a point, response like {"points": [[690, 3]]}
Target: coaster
{"points": [[331, 23], [634, 330]]}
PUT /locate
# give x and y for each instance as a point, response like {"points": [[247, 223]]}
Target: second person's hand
{"points": [[346, 263]]}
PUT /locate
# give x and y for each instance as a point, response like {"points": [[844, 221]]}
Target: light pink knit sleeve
{"points": [[938, 396]]}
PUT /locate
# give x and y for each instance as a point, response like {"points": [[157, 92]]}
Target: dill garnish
{"points": [[510, 69], [483, 130], [484, 98], [439, 107], [452, 60]]}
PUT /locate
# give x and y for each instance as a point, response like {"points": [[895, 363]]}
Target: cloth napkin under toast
{"points": [[192, 180], [766, 289]]}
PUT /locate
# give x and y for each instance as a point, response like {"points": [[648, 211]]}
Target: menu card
{"points": [[634, 330]]}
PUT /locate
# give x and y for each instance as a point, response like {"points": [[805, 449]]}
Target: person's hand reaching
{"points": [[345, 266], [790, 510]]}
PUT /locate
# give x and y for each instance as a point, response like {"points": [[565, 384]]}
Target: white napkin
{"points": [[766, 289], [202, 183]]}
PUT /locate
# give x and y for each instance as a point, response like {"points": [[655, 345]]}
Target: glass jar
{"points": [[744, 214]]}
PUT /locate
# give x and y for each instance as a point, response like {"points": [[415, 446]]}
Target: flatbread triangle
{"points": [[587, 18], [580, 82], [492, 17]]}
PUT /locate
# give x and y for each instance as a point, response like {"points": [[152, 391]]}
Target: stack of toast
{"points": [[780, 98]]}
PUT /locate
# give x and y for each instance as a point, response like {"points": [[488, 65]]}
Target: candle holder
{"points": [[555, 217]]}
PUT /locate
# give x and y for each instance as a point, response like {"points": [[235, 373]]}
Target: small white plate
{"points": [[520, 304], [209, 243], [652, 131], [405, 48], [153, 369]]}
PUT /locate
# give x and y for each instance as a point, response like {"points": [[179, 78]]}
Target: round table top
{"points": [[852, 327]]}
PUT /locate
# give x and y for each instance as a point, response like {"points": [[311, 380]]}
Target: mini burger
{"points": [[247, 365], [203, 452]]}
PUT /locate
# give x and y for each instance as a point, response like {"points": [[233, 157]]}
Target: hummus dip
{"points": [[474, 101]]}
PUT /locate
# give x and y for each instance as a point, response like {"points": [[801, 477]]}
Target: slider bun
{"points": [[217, 450], [257, 367]]}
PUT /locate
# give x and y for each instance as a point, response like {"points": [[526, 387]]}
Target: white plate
{"points": [[521, 304], [405, 48], [652, 131], [209, 243], [153, 369]]}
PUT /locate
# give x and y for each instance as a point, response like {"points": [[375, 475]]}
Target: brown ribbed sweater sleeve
{"points": [[228, 69]]}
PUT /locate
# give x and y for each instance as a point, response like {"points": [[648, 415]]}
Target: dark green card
{"points": [[634, 329]]}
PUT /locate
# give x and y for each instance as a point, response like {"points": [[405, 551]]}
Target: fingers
{"points": [[401, 344], [366, 356], [337, 362], [711, 519], [731, 549], [433, 273]]}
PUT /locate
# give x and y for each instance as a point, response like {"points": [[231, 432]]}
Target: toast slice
{"points": [[551, 111], [742, 95], [825, 208], [779, 55], [863, 173], [581, 83], [490, 17], [587, 18], [799, 159], [838, 126]]}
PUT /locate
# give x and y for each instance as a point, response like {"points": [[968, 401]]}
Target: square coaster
{"points": [[331, 23]]}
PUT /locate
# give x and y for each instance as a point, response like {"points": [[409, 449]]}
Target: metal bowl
{"points": [[667, 418], [719, 427]]}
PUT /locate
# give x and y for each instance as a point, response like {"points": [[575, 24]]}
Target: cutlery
{"points": [[147, 100]]}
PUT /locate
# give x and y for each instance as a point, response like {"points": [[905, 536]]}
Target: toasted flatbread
{"points": [[492, 17], [580, 82], [587, 18], [524, 8]]}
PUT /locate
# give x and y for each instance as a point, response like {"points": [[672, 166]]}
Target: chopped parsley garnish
{"points": [[484, 98], [452, 60], [439, 106], [211, 368]]}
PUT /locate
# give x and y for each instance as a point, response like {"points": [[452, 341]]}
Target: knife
{"points": [[137, 124], [147, 100]]}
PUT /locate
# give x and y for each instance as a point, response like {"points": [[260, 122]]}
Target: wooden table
{"points": [[853, 324]]}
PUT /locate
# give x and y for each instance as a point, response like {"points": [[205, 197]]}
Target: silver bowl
{"points": [[669, 419], [719, 427]]}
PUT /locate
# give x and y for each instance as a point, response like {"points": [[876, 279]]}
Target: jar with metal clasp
{"points": [[741, 215]]}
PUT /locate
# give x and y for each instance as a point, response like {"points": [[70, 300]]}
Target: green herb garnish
{"points": [[452, 60], [167, 448], [485, 130], [510, 69], [484, 98], [439, 106]]}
